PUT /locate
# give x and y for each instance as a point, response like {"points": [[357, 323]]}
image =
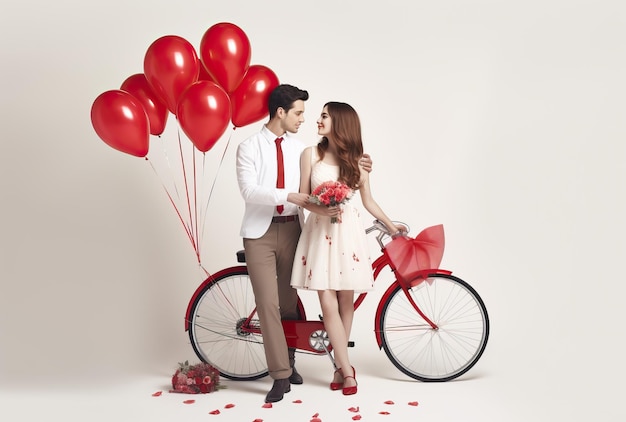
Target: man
{"points": [[271, 226], [270, 235]]}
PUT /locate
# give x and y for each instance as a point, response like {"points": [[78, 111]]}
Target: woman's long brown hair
{"points": [[346, 131]]}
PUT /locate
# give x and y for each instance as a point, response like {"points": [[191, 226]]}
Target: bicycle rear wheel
{"points": [[215, 330], [442, 354]]}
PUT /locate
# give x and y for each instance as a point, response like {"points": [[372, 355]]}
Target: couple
{"points": [[330, 258]]}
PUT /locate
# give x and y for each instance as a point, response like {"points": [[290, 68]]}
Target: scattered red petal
{"points": [[267, 405], [258, 420], [354, 409], [229, 405], [157, 394], [389, 402], [315, 416], [356, 417], [214, 412], [189, 401], [413, 403], [384, 413], [297, 401], [316, 420]]}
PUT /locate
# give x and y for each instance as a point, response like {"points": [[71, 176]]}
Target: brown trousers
{"points": [[270, 260]]}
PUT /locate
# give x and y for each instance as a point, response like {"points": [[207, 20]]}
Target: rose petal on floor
{"points": [[229, 405], [214, 412], [297, 401], [157, 394], [384, 413], [413, 403], [189, 401], [315, 416], [389, 402], [356, 417], [267, 405], [316, 420], [258, 420], [354, 409]]}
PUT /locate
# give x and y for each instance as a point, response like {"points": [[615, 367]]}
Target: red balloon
{"points": [[204, 74], [225, 51], [137, 85], [204, 113], [121, 122], [249, 101], [171, 64]]}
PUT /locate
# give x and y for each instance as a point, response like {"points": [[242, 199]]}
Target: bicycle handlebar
{"points": [[384, 231]]}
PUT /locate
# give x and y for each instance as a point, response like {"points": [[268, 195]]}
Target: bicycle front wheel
{"points": [[441, 354], [215, 329]]}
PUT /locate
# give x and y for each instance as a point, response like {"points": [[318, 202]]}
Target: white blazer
{"points": [[256, 174]]}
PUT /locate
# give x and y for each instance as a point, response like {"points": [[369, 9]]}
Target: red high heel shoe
{"points": [[337, 385], [347, 391]]}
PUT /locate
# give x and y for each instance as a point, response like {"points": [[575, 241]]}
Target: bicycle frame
{"points": [[298, 332], [432, 326]]}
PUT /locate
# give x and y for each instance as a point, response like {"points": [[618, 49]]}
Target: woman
{"points": [[333, 257]]}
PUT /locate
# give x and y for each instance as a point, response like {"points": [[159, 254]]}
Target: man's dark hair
{"points": [[283, 96]]}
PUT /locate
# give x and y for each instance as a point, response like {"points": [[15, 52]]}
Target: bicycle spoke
{"points": [[217, 329], [435, 354]]}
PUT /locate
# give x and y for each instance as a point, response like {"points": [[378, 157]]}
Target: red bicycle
{"points": [[432, 325]]}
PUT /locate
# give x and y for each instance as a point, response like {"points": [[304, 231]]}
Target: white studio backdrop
{"points": [[502, 120]]}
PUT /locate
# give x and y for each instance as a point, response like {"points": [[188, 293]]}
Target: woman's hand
{"points": [[402, 228], [400, 231], [332, 211]]}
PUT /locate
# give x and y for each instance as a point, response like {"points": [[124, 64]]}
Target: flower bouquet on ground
{"points": [[331, 193], [195, 379]]}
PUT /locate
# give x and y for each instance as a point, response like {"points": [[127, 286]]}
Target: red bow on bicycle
{"points": [[411, 256]]}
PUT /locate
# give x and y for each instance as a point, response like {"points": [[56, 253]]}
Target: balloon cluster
{"points": [[204, 91]]}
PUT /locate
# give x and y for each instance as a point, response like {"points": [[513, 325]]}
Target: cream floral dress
{"points": [[329, 255]]}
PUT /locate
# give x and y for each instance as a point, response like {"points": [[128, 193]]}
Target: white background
{"points": [[503, 120]]}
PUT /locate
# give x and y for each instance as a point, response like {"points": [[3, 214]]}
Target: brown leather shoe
{"points": [[279, 388]]}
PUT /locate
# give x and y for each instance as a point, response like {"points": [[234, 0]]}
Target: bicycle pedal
{"points": [[350, 343]]}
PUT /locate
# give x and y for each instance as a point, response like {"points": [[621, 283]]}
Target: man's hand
{"points": [[300, 199], [366, 162]]}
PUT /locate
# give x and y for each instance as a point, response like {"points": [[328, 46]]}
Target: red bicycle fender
{"points": [[217, 275], [385, 297], [208, 280], [379, 312]]}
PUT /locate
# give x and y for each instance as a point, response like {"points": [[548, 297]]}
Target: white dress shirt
{"points": [[256, 174]]}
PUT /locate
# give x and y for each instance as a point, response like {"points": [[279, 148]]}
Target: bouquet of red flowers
{"points": [[331, 193], [195, 379]]}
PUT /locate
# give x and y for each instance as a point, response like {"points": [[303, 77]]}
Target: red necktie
{"points": [[280, 178]]}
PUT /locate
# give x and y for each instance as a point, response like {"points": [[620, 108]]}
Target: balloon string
{"points": [[186, 225], [195, 203], [203, 212], [206, 272], [219, 166], [174, 204], [191, 220], [169, 166]]}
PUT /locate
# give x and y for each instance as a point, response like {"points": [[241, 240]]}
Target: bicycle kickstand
{"points": [[332, 359], [330, 356]]}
